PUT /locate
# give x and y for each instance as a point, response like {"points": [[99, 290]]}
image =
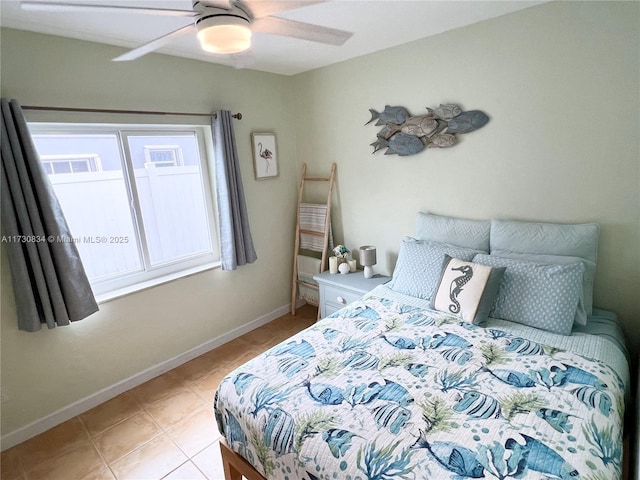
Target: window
{"points": [[162, 156], [56, 164], [139, 204]]}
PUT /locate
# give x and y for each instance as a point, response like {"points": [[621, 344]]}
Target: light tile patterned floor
{"points": [[162, 429]]}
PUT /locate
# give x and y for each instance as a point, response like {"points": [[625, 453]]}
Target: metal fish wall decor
{"points": [[404, 134]]}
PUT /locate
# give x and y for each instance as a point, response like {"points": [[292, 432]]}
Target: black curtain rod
{"points": [[126, 112]]}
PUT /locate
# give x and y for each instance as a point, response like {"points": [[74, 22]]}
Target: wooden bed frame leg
{"points": [[235, 467], [231, 473]]}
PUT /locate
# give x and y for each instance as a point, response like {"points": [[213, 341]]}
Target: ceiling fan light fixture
{"points": [[224, 34]]}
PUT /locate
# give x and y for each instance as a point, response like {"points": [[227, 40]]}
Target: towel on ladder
{"points": [[312, 218], [307, 268]]}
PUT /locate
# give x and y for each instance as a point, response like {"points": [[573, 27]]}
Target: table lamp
{"points": [[368, 259]]}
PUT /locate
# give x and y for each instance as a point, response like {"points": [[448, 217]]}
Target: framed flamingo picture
{"points": [[265, 155]]}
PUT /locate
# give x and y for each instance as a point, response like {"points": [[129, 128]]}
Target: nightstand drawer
{"points": [[338, 290], [330, 308], [339, 296]]}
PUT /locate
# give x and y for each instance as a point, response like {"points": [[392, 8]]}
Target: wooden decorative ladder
{"points": [[321, 233]]}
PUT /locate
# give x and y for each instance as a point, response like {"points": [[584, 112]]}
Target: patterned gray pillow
{"points": [[559, 243], [543, 296], [419, 266]]}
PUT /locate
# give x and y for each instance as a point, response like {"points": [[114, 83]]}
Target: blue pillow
{"points": [[553, 243], [463, 232], [538, 295], [419, 266], [587, 278]]}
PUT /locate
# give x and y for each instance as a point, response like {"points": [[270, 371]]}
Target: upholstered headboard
{"points": [[455, 231], [534, 242]]}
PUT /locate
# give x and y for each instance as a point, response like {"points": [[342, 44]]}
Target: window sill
{"points": [[122, 292]]}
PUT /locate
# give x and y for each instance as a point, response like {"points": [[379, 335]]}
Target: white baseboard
{"points": [[76, 408]]}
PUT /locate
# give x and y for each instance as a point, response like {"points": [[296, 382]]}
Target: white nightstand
{"points": [[338, 290]]}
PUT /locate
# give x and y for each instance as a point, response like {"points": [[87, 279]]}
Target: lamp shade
{"points": [[224, 34], [367, 255]]}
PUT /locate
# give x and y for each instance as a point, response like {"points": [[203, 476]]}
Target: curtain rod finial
{"points": [[235, 115]]}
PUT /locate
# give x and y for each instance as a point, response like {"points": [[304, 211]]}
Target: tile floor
{"points": [[162, 429]]}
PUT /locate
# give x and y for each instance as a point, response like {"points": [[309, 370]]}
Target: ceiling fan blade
{"points": [[263, 8], [304, 31], [95, 8], [199, 5], [154, 44]]}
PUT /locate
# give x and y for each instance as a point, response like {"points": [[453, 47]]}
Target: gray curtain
{"points": [[49, 281], [236, 244]]}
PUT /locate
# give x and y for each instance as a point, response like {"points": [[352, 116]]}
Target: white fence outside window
{"points": [[169, 226], [142, 210]]}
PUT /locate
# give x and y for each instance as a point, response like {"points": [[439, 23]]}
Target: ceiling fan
{"points": [[222, 26]]}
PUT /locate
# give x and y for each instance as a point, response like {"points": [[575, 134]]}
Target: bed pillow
{"points": [[419, 265], [543, 296], [551, 243], [472, 234], [467, 289], [587, 278]]}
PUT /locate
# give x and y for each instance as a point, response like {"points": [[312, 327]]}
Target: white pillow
{"points": [[467, 289], [419, 266]]}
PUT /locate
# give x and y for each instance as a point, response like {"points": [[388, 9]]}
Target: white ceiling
{"points": [[376, 25]]}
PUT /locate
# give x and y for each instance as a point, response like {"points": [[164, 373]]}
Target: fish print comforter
{"points": [[383, 390]]}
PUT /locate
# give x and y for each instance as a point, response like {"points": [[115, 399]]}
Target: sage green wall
{"points": [[560, 84], [45, 371]]}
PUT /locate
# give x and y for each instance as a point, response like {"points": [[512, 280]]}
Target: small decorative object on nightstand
{"points": [[337, 291], [333, 265], [368, 259], [342, 255]]}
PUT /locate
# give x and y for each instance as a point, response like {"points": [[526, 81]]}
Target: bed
{"points": [[423, 378]]}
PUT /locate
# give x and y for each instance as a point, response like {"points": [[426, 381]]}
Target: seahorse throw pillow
{"points": [[466, 289]]}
